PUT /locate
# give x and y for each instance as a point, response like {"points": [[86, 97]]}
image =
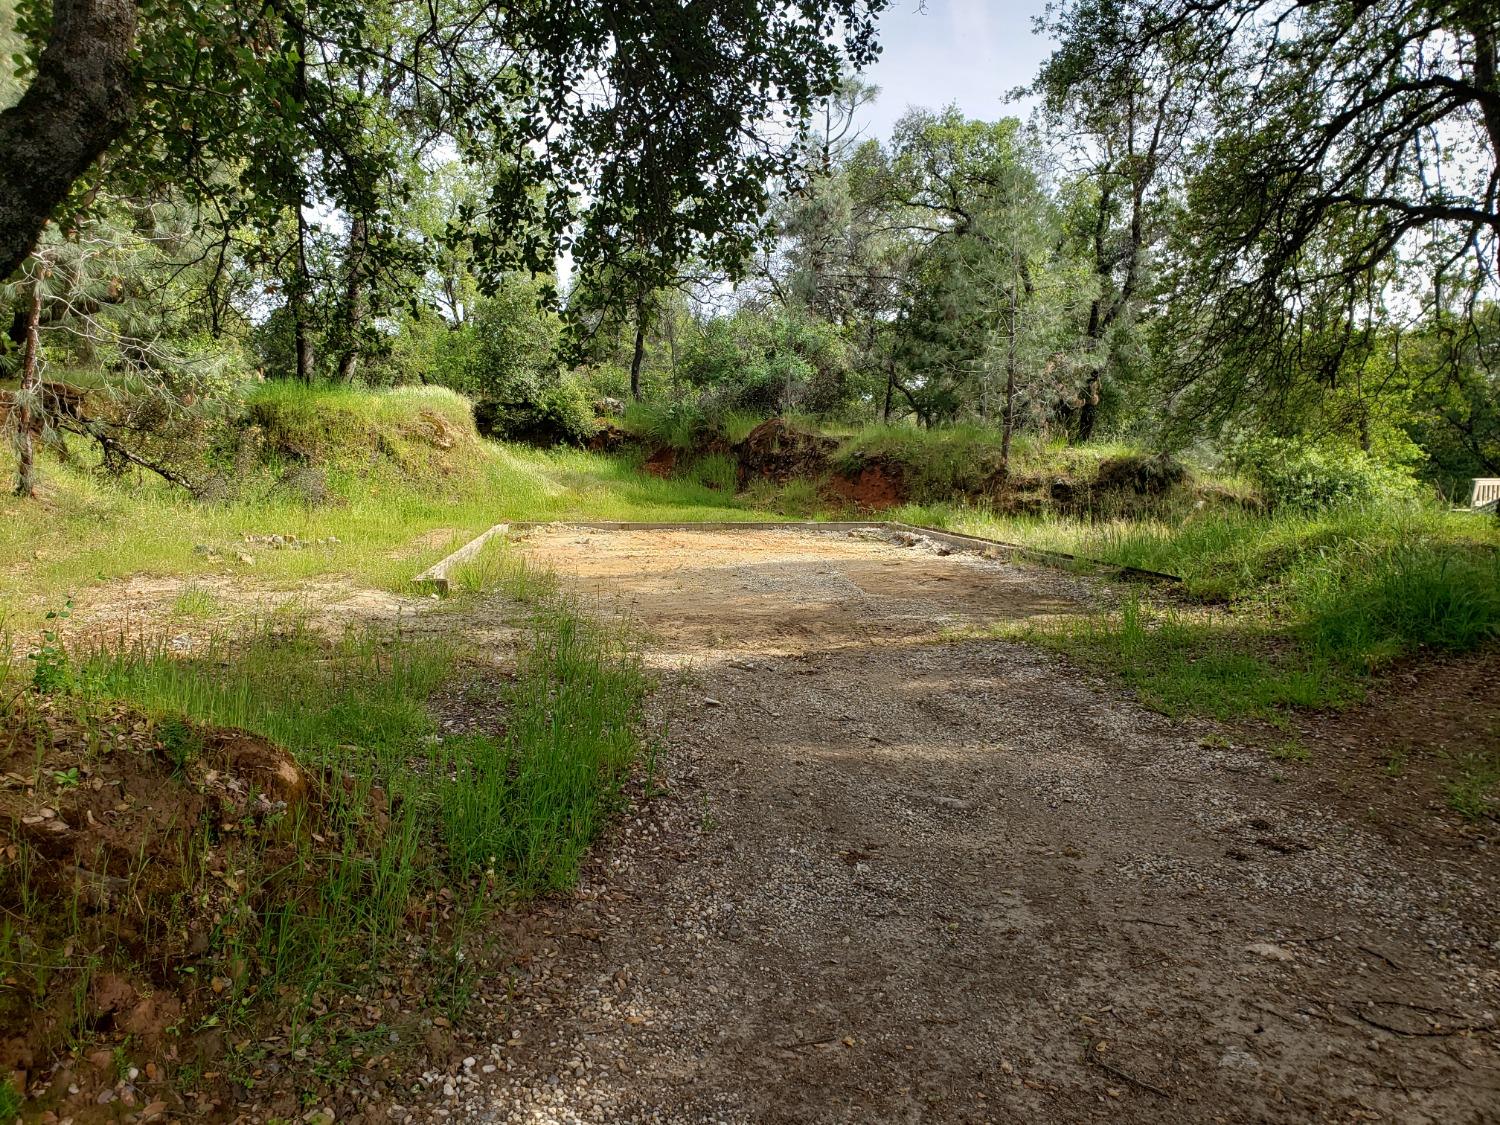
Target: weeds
{"points": [[396, 818], [1293, 750], [195, 601], [10, 1101], [1312, 602], [1473, 791], [523, 806], [1182, 662]]}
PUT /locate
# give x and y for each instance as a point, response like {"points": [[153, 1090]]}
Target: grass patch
{"points": [[524, 805], [1183, 663], [716, 471], [1305, 605], [528, 803], [1473, 789], [195, 601], [353, 711], [402, 831], [1293, 750]]}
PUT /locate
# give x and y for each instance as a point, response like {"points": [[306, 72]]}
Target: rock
{"points": [[955, 803], [248, 560], [1269, 951], [710, 701], [1236, 1058]]}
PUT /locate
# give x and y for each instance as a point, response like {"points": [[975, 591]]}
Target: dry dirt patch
{"points": [[899, 877]]}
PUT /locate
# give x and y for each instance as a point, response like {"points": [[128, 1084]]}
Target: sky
{"points": [[972, 52]]}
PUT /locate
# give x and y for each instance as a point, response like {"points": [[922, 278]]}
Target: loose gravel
{"points": [[898, 876]]}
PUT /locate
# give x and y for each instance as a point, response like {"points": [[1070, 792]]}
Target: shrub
{"points": [[561, 413], [681, 425], [1143, 475], [766, 364], [1297, 474]]}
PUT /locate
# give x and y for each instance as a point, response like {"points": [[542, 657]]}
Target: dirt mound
{"points": [[1142, 475], [778, 451], [430, 428], [134, 852], [610, 437]]}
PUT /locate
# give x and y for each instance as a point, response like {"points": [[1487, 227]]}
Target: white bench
{"points": [[1486, 493]]}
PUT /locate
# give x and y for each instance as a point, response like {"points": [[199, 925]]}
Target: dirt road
{"points": [[901, 877]]}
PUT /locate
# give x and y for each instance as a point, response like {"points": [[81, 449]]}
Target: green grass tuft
{"points": [[1183, 663], [1473, 791]]}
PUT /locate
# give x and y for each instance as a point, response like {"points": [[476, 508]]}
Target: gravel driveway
{"points": [[901, 877]]}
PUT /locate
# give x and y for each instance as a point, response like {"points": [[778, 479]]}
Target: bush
{"points": [[1300, 475], [1141, 474], [682, 425], [561, 413], [767, 364]]}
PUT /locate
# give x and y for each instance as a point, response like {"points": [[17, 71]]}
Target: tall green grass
{"points": [[1199, 662], [525, 805], [1310, 602], [354, 714], [402, 812], [1368, 606]]}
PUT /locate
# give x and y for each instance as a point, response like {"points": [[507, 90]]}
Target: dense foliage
{"points": [[1267, 230]]}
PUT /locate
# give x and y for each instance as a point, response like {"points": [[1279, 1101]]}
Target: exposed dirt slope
{"points": [[900, 878]]}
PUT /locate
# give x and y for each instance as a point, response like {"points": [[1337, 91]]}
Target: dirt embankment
{"points": [[129, 847], [779, 452]]}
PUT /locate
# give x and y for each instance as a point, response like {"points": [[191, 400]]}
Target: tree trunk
{"points": [[354, 301], [640, 352], [81, 99], [300, 285], [1008, 422], [1486, 65], [890, 390], [29, 397], [1088, 410]]}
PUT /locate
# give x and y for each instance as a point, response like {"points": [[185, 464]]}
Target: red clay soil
{"points": [[610, 438], [874, 489], [661, 463]]}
